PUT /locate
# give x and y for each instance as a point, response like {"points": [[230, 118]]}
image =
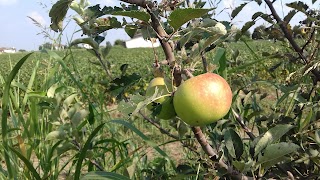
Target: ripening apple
{"points": [[203, 99], [163, 107]]}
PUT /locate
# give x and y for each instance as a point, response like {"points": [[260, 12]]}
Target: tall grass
{"points": [[56, 125]]}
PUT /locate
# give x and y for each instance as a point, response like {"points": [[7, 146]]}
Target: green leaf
{"points": [[289, 16], [79, 116], [91, 114], [123, 68], [243, 166], [271, 136], [269, 164], [298, 5], [267, 18], [236, 11], [58, 13], [220, 58], [180, 16], [233, 143], [259, 2], [141, 15], [105, 51], [67, 102], [93, 11], [247, 26], [276, 151], [256, 15], [305, 121], [131, 30], [55, 135], [103, 176]]}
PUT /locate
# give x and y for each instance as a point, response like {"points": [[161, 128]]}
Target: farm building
{"points": [[7, 50], [139, 42]]}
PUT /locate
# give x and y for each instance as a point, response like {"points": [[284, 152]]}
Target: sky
{"points": [[18, 31]]}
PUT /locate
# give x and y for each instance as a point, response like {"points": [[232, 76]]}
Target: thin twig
{"points": [[158, 126], [309, 39], [98, 55], [204, 62], [168, 133], [244, 127]]}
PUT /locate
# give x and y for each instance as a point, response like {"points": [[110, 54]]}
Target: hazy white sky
{"points": [[18, 31]]}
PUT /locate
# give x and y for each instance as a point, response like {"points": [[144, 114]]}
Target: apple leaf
{"points": [[256, 15], [221, 60], [141, 15], [54, 135], [267, 165], [236, 11], [276, 151], [127, 109], [131, 30], [247, 26], [243, 166], [298, 5], [289, 16], [105, 51], [180, 16], [233, 143], [258, 1], [58, 13], [271, 136]]}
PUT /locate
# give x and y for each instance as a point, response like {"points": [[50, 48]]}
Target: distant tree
{"points": [[259, 32], [22, 50], [274, 33], [46, 45], [120, 42]]}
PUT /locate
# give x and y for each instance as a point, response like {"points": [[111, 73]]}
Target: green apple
{"points": [[203, 99], [158, 83], [161, 107]]}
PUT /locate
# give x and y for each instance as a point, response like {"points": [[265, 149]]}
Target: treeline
{"points": [[275, 33]]}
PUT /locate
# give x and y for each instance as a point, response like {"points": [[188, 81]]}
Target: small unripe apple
{"points": [[163, 107], [203, 99], [158, 83]]}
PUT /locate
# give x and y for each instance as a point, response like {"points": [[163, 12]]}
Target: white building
{"points": [[138, 42], [87, 46], [7, 50]]}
